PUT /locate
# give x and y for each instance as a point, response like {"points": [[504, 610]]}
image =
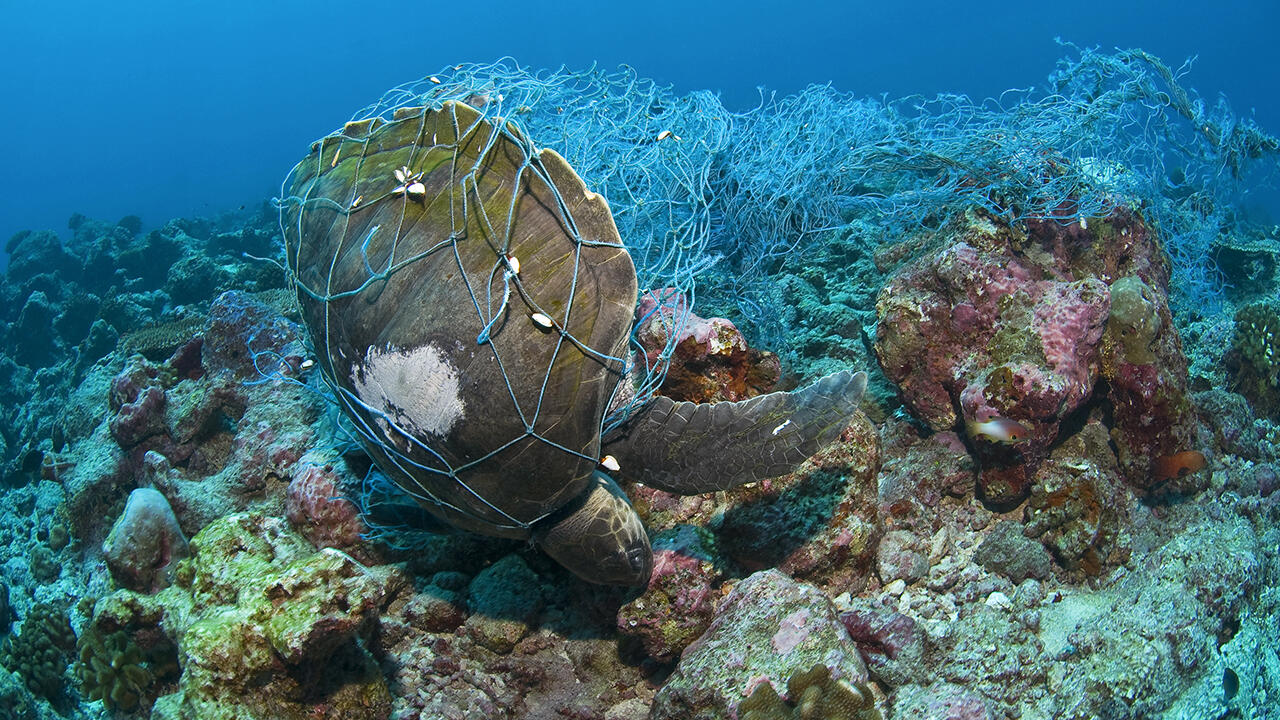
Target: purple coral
{"points": [[1005, 323], [317, 507]]}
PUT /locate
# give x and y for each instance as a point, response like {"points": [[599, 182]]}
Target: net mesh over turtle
{"points": [[461, 284], [652, 153]]}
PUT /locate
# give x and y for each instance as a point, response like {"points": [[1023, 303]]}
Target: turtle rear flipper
{"points": [[689, 448]]}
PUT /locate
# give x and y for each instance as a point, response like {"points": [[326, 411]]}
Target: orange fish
{"points": [[998, 430], [1176, 465]]}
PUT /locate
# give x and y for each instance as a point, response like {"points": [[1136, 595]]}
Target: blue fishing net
{"points": [[618, 131], [715, 203], [747, 191]]}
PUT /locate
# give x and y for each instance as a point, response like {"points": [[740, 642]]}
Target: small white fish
{"points": [[998, 430], [782, 426]]}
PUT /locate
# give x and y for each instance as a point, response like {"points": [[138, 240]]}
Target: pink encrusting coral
{"points": [[318, 506], [680, 601], [710, 358], [1018, 324]]}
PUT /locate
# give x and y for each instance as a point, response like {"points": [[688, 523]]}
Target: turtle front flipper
{"points": [[689, 448], [599, 537]]}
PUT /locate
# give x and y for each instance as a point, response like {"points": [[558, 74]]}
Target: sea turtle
{"points": [[470, 304]]}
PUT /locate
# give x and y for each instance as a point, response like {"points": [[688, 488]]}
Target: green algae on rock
{"points": [[266, 627]]}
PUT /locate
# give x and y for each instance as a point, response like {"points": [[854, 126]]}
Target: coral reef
{"points": [[896, 567], [710, 358], [66, 305], [41, 652], [264, 625], [213, 429], [1018, 325], [1120, 561]]}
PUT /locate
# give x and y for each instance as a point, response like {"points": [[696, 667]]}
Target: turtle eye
{"points": [[641, 561], [637, 558]]}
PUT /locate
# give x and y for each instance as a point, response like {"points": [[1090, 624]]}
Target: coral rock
{"points": [[710, 359], [1002, 323], [246, 337], [1146, 372], [768, 627], [140, 418], [916, 478], [1075, 499], [820, 522], [679, 603], [504, 598], [266, 628], [899, 557], [891, 644], [941, 701], [318, 604], [145, 543], [317, 506], [1006, 550]]}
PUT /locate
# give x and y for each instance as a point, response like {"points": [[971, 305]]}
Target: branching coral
{"points": [[112, 669], [40, 653]]}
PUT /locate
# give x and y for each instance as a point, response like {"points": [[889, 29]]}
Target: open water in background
{"points": [[163, 109]]}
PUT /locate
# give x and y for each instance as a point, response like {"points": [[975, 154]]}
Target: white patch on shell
{"points": [[417, 389]]}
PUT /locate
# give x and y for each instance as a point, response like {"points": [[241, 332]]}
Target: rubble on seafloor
{"points": [[176, 489]]}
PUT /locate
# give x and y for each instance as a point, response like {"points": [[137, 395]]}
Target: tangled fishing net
{"points": [[712, 202]]}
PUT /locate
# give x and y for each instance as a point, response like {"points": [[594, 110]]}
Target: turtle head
{"points": [[599, 537]]}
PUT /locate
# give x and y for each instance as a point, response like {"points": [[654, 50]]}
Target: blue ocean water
{"points": [[161, 110]]}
